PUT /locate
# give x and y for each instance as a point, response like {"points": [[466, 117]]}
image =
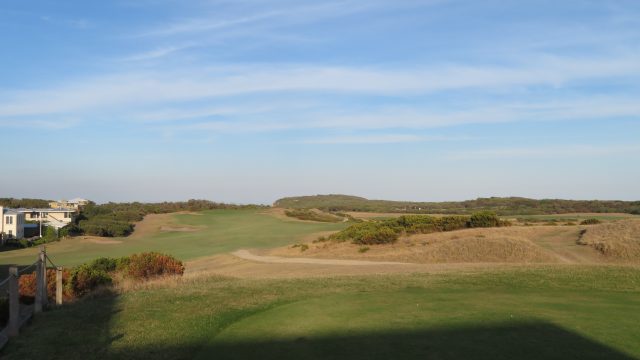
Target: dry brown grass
{"points": [[151, 224], [523, 245], [618, 240]]}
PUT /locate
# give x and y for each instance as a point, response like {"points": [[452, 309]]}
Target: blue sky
{"points": [[248, 101]]}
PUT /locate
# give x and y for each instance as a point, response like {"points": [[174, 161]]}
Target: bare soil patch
{"points": [[99, 240], [180, 228], [151, 224]]}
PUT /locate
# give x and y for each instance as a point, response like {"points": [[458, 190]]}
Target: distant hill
{"points": [[502, 206]]}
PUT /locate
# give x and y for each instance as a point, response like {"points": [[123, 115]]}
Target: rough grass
{"points": [[618, 240], [546, 312], [482, 245]]}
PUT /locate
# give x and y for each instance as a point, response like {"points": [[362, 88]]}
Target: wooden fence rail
{"points": [[19, 315]]}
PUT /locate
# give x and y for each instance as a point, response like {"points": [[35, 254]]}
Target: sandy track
{"points": [[246, 255], [235, 266]]}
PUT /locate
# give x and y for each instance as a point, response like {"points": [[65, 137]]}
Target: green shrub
{"points": [[105, 226], [379, 235], [592, 221], [363, 249], [388, 231], [484, 219], [86, 278], [304, 214], [104, 264], [303, 247], [153, 264]]}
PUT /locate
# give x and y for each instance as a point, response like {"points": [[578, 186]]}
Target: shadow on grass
{"points": [[512, 341], [82, 331]]}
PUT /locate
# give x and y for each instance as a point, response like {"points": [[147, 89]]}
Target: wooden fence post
{"points": [[59, 285], [14, 302], [37, 306], [43, 260]]}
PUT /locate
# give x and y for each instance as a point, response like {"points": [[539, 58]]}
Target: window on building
{"points": [[9, 220], [10, 234]]}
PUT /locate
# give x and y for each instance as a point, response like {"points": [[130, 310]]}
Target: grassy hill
{"points": [[502, 206]]}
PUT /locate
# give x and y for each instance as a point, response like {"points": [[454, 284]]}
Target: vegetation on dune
{"points": [[590, 222], [389, 230], [501, 206], [311, 215], [618, 240]]}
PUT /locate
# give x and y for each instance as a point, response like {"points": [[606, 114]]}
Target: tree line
{"points": [[499, 205]]}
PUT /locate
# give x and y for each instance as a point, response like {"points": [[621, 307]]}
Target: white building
{"points": [[57, 218], [11, 224], [76, 203]]}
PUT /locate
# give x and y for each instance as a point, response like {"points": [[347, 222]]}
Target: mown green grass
{"points": [[529, 313], [221, 231]]}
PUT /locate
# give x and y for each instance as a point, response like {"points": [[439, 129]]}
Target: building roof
{"points": [[26, 210], [77, 200]]}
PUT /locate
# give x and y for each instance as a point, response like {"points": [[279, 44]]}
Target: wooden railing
{"points": [[19, 314]]}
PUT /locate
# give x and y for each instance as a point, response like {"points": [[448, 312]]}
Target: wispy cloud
{"points": [[273, 15], [376, 139], [54, 124], [157, 53], [136, 89], [544, 152]]}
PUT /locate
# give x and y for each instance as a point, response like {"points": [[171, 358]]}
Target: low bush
{"points": [[303, 247], [110, 265], [27, 286], [388, 231], [484, 219], [592, 221], [153, 264], [105, 226], [86, 278], [363, 249], [304, 214]]}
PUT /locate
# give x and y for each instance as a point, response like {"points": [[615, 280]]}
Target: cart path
{"points": [[247, 255]]}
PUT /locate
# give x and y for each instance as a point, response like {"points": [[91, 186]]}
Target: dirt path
{"points": [[563, 245], [238, 267], [246, 255]]}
